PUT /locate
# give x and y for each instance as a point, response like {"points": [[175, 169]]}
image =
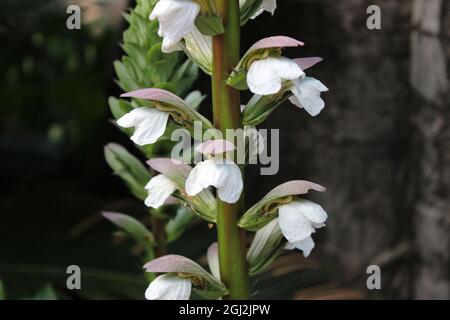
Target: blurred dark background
{"points": [[381, 146]]}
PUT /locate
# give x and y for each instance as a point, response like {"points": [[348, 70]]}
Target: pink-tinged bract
{"points": [[306, 63], [155, 94], [275, 42], [215, 147]]}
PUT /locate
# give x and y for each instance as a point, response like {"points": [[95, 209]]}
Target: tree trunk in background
{"points": [[429, 76], [380, 147]]}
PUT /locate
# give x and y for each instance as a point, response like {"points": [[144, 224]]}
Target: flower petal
{"points": [[312, 211], [266, 76], [159, 190], [132, 118], [266, 5], [166, 101], [269, 6], [169, 287], [294, 225], [213, 260], [231, 187], [149, 124], [176, 19], [223, 174], [305, 245], [307, 95]]}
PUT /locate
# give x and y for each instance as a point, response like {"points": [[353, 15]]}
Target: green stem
{"points": [[227, 115]]}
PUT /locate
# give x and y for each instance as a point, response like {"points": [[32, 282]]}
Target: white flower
{"points": [[176, 19], [217, 171], [266, 5], [268, 76], [159, 189], [149, 124], [298, 221], [221, 173], [169, 287], [307, 95]]}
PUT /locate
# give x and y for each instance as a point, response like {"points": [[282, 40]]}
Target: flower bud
{"points": [[266, 246], [129, 168]]}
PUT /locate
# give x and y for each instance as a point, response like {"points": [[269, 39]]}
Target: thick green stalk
{"points": [[227, 115]]}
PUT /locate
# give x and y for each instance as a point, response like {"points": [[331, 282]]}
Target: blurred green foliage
{"points": [[53, 80]]}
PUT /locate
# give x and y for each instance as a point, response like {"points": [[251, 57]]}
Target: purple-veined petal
{"points": [[155, 94], [306, 63], [274, 42], [174, 169], [217, 146]]}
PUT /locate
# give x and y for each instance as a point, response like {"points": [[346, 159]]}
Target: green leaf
{"points": [[266, 246], [129, 168], [209, 25], [46, 293], [2, 291], [259, 108], [119, 107], [238, 80], [249, 8], [135, 230], [176, 226]]}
